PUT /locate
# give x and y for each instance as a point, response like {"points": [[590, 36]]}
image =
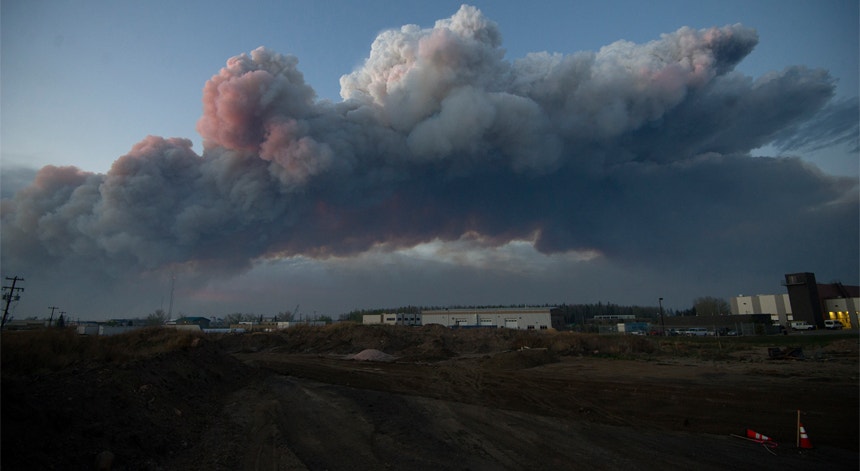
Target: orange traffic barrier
{"points": [[768, 443], [804, 442], [755, 436]]}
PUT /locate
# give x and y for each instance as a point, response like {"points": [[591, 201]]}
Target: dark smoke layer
{"points": [[637, 152]]}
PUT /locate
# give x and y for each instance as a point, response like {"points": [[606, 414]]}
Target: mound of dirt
{"points": [[372, 354], [145, 412]]}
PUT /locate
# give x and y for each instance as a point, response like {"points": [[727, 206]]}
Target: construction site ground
{"points": [[371, 398]]}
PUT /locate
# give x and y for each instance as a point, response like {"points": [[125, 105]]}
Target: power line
{"points": [[10, 296]]}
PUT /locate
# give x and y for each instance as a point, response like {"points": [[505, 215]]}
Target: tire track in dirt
{"points": [[460, 415], [698, 401]]}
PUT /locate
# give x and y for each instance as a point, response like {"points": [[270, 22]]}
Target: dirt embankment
{"points": [[434, 398]]}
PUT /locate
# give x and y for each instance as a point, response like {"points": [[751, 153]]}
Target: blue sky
{"points": [[666, 202], [85, 80]]}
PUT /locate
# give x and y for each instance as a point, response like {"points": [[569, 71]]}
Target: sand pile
{"points": [[372, 354]]}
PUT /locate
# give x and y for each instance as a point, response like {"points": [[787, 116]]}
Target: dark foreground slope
{"points": [[450, 400]]}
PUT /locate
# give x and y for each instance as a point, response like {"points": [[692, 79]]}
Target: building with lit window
{"points": [[844, 310], [815, 302], [805, 300]]}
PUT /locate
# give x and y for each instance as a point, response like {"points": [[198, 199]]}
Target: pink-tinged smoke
{"points": [[240, 102], [633, 152]]}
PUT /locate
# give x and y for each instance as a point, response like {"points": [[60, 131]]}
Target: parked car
{"points": [[833, 324], [801, 325], [697, 332]]}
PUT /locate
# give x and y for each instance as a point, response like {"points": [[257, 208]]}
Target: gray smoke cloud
{"points": [[836, 124], [637, 152]]}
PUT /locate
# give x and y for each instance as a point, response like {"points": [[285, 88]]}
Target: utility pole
{"points": [[662, 321], [172, 287], [51, 320], [10, 296]]}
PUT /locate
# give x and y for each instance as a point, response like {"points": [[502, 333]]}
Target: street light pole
{"points": [[662, 321]]}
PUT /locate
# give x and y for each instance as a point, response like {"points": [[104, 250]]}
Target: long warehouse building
{"points": [[528, 318]]}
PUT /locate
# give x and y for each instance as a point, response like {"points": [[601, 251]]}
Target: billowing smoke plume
{"points": [[637, 152]]}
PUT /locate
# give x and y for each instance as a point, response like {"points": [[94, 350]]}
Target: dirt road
{"points": [[573, 414], [277, 403]]}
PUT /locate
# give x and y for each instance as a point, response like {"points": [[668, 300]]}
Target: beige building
{"points": [[392, 319], [777, 306], [844, 310]]}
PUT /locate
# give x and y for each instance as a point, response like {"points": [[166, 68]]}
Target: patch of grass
{"points": [[572, 343], [713, 348], [54, 349], [810, 339]]}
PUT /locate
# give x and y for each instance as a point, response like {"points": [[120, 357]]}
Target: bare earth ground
{"points": [[443, 400]]}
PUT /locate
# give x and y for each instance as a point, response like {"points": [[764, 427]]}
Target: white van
{"points": [[697, 332], [833, 324], [801, 325]]}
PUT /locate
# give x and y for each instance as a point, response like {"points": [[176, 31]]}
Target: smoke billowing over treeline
{"points": [[637, 152]]}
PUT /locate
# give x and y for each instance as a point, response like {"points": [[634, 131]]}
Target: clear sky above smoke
{"points": [[349, 155]]}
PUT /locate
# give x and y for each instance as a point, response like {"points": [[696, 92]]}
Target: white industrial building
{"points": [[777, 305], [511, 318], [392, 319]]}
